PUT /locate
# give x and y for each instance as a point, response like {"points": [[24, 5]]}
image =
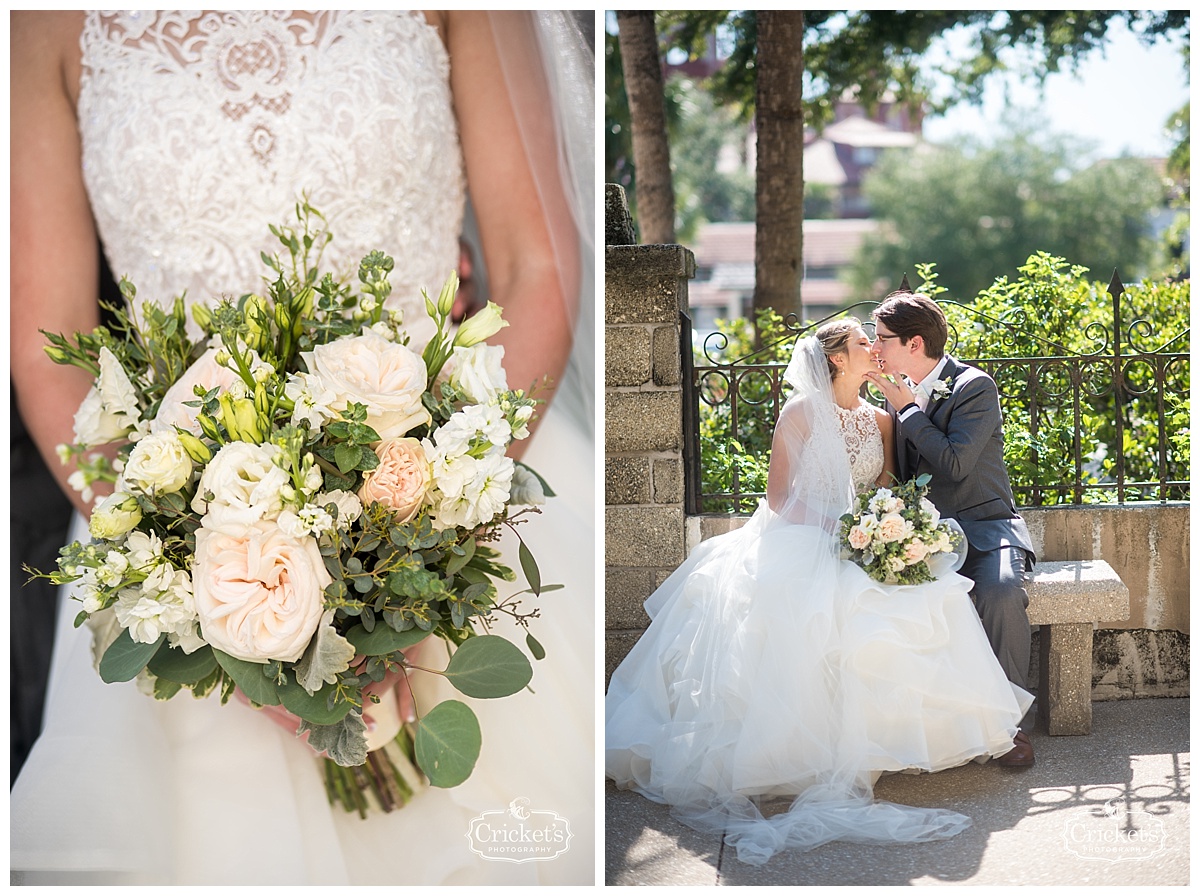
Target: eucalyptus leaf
{"points": [[535, 647], [529, 566], [250, 678], [447, 743], [327, 655], [173, 664], [345, 742], [125, 657], [489, 666], [383, 639], [312, 708]]}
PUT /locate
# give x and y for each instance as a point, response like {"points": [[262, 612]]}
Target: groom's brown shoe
{"points": [[1021, 755]]}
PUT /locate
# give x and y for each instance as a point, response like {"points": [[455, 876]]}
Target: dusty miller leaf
{"points": [[327, 655], [345, 743]]}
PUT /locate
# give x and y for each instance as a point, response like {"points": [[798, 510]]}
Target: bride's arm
{"points": [[53, 252], [528, 280], [887, 429]]}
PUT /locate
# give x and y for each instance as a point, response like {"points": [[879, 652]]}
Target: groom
{"points": [[948, 424]]}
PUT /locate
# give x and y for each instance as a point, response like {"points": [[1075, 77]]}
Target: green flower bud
{"points": [[203, 317], [480, 327], [209, 427], [57, 355], [446, 297], [197, 450]]}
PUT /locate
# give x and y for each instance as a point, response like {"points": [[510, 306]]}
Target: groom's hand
{"points": [[895, 391]]}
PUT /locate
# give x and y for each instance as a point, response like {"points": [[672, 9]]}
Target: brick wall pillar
{"points": [[645, 294]]}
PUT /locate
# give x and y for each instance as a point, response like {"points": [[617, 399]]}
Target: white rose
{"points": [[158, 464], [245, 484], [368, 369], [208, 373], [479, 373], [110, 409], [258, 592], [114, 516]]}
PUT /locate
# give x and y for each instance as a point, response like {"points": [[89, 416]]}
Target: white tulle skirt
{"points": [[123, 789], [771, 668]]}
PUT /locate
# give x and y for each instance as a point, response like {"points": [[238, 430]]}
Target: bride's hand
{"points": [[896, 391], [394, 687]]}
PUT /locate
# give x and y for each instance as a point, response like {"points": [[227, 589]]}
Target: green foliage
{"points": [[979, 211], [1054, 314], [1056, 325], [736, 459], [700, 132]]}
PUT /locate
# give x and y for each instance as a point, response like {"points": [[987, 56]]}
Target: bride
{"points": [[774, 668], [177, 138]]}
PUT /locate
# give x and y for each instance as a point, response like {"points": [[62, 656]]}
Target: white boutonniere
{"points": [[941, 388]]}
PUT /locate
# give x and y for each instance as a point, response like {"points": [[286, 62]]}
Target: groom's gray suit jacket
{"points": [[959, 441]]}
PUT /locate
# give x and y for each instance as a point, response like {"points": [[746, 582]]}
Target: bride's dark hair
{"points": [[833, 337]]}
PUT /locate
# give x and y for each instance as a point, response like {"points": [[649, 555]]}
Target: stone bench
{"points": [[1067, 598]]}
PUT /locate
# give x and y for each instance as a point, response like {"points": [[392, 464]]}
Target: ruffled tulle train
{"points": [[772, 668]]}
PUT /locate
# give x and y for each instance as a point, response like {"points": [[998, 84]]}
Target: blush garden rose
{"points": [[258, 592]]}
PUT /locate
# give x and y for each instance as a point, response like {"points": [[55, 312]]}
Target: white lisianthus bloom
{"points": [[245, 486], [479, 373], [114, 516], [158, 464], [370, 370], [481, 326], [526, 488], [110, 410]]}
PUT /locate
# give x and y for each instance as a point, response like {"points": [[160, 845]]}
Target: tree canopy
{"points": [[979, 211]]}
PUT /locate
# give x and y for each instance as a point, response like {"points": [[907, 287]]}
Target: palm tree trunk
{"points": [[654, 194], [779, 186]]}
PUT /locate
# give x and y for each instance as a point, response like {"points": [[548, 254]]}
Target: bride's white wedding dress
{"points": [[198, 131], [773, 668]]}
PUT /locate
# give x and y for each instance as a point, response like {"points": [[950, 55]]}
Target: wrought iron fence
{"points": [[1081, 426]]}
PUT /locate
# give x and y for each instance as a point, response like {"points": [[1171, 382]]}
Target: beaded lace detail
{"points": [[199, 129], [864, 443]]}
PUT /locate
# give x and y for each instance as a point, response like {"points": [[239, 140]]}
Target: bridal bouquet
{"points": [[892, 533], [302, 497]]}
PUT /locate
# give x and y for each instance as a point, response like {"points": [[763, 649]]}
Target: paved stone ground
{"points": [[1041, 826]]}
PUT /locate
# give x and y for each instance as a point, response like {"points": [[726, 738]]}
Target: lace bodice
{"points": [[201, 129], [864, 443]]}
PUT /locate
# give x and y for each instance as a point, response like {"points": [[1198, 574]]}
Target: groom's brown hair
{"points": [[909, 314]]}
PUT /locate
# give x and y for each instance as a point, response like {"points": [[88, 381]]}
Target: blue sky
{"points": [[1119, 99]]}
